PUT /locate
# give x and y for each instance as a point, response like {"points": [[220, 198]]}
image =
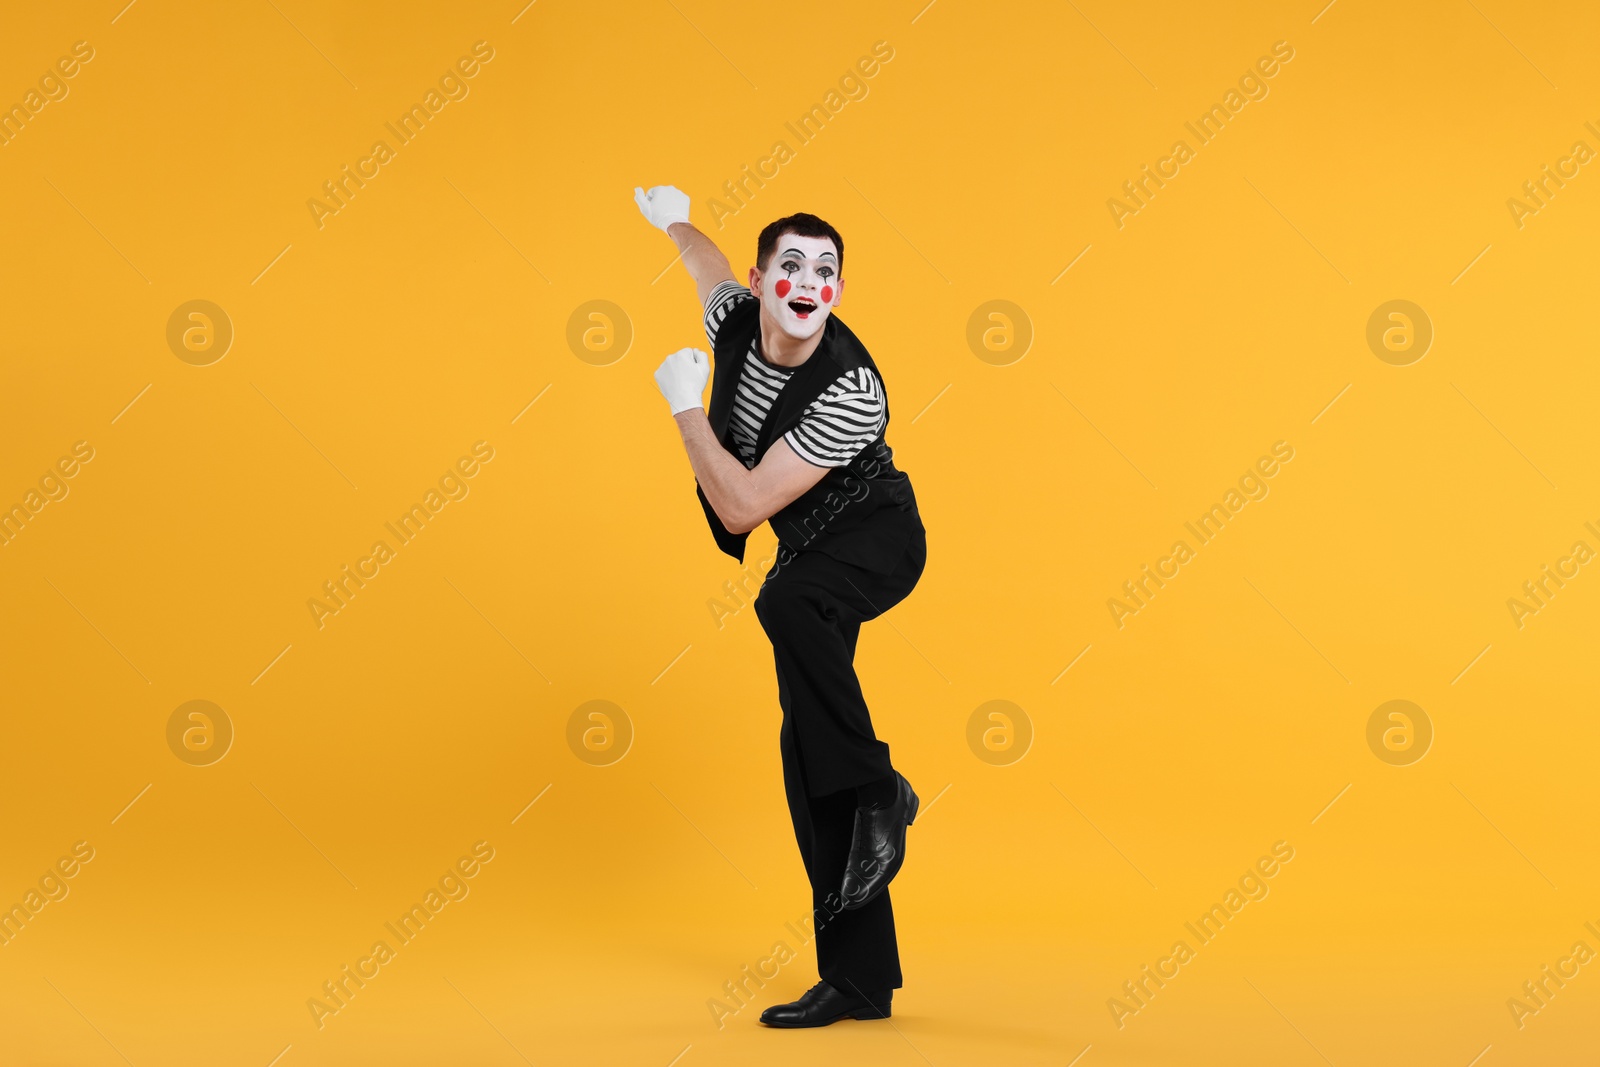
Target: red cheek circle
{"points": [[827, 294], [782, 288]]}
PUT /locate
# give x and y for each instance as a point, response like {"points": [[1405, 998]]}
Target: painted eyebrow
{"points": [[801, 254]]}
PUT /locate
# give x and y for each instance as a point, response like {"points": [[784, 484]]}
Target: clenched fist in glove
{"points": [[682, 378], [662, 205]]}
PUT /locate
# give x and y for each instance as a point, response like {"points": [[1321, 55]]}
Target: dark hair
{"points": [[801, 225]]}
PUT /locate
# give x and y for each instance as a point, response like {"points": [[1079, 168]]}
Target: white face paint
{"points": [[801, 285]]}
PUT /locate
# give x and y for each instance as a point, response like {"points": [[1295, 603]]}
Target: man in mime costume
{"points": [[795, 437]]}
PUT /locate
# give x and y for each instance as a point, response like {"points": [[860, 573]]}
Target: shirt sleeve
{"points": [[846, 418], [721, 301]]}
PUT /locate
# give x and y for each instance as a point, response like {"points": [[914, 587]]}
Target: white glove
{"points": [[682, 378], [662, 205]]}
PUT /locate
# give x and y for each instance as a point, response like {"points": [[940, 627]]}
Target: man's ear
{"points": [[755, 281], [838, 291]]}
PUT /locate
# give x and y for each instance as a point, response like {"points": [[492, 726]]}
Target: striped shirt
{"points": [[848, 416]]}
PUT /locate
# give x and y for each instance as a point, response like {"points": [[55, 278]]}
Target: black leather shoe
{"points": [[822, 1004], [878, 847]]}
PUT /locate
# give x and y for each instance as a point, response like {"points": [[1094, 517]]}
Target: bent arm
{"points": [[743, 498], [706, 264]]}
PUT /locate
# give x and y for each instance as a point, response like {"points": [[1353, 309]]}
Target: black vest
{"points": [[862, 513]]}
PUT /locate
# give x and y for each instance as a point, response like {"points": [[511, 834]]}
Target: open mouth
{"points": [[802, 307]]}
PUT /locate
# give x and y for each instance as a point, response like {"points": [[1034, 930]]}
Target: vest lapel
{"points": [[734, 338], [724, 380], [809, 381], [837, 352]]}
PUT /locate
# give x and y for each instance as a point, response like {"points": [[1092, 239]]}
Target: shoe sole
{"points": [[911, 817]]}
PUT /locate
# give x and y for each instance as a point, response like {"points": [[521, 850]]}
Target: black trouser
{"points": [[812, 608]]}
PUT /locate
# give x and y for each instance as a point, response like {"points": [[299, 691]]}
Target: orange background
{"points": [[368, 355]]}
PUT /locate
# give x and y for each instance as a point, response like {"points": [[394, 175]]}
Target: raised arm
{"points": [[706, 264], [667, 208]]}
